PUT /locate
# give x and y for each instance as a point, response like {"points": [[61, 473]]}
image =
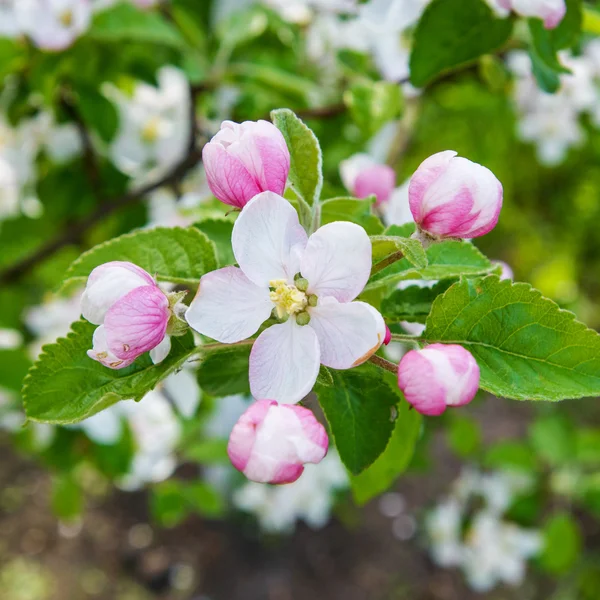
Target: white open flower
{"points": [[308, 283]]}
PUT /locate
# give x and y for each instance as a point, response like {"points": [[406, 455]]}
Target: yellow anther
{"points": [[66, 18], [288, 299]]}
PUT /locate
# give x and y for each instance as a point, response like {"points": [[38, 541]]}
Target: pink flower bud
{"points": [[438, 376], [388, 336], [271, 442], [132, 311], [364, 177], [245, 159], [451, 196]]}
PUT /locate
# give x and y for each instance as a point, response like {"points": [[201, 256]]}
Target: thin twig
{"points": [[382, 363], [387, 261]]}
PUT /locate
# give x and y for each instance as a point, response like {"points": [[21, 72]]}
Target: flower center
{"points": [[288, 299], [66, 18], [151, 130]]}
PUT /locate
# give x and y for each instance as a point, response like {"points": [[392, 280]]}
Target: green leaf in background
{"points": [[66, 386], [395, 459], [225, 372], [14, 364], [98, 112], [588, 446], [453, 33], [527, 347], [13, 55], [171, 254], [445, 260], [351, 209], [67, 497], [207, 451], [509, 454], [562, 544], [568, 31], [384, 245], [463, 435], [413, 303], [219, 232], [553, 439], [126, 23], [547, 78], [359, 408], [306, 162], [374, 103]]}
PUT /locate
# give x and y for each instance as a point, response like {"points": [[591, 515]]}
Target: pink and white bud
{"points": [[388, 336], [451, 196], [438, 376], [245, 159], [272, 442], [364, 177], [551, 12], [132, 311]]}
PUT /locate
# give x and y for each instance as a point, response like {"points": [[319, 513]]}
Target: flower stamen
{"points": [[288, 299]]}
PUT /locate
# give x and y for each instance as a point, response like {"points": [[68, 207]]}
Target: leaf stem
{"points": [[212, 347], [382, 363], [401, 337], [387, 261]]}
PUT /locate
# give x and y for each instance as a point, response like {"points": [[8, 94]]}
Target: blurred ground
{"points": [[115, 555]]}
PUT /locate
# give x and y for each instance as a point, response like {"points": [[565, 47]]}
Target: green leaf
{"points": [[568, 31], [510, 455], [358, 408], [67, 497], [171, 254], [66, 386], [453, 33], [463, 435], [413, 251], [219, 232], [394, 460], [527, 347], [306, 162], [374, 103], [413, 303], [351, 209], [225, 372], [588, 446], [211, 451], [14, 364], [547, 78], [13, 55], [553, 439], [98, 112], [562, 544], [446, 260], [324, 377], [125, 23]]}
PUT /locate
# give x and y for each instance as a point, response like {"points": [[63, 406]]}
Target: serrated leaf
{"points": [[394, 460], [374, 103], [172, 254], [384, 245], [413, 303], [358, 408], [357, 210], [126, 23], [66, 386], [453, 33], [225, 372], [446, 260], [527, 347], [219, 232], [306, 161]]}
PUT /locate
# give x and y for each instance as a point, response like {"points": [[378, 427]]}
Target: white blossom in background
{"points": [[9, 190], [492, 550], [154, 125], [552, 122], [53, 25], [309, 499], [9, 23]]}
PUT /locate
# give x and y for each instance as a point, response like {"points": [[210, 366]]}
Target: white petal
{"points": [[160, 352], [104, 427], [284, 363], [337, 261], [348, 333], [264, 237], [182, 388], [228, 306]]}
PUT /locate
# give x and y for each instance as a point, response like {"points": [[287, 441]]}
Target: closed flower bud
{"points": [[365, 177], [272, 442], [438, 376], [453, 197], [245, 159], [132, 313], [388, 336]]}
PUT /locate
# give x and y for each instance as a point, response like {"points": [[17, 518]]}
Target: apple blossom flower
{"points": [[9, 190], [364, 177], [308, 283], [438, 376], [271, 443], [242, 160], [451, 196], [551, 12], [53, 24], [9, 23], [134, 315]]}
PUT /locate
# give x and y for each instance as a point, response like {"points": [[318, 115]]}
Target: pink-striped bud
{"points": [[132, 311], [453, 197], [438, 376], [365, 177], [388, 336], [245, 159], [551, 12], [272, 442]]}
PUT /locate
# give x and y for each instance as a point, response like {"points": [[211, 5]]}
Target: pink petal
{"points": [[138, 322], [378, 180], [102, 354]]}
